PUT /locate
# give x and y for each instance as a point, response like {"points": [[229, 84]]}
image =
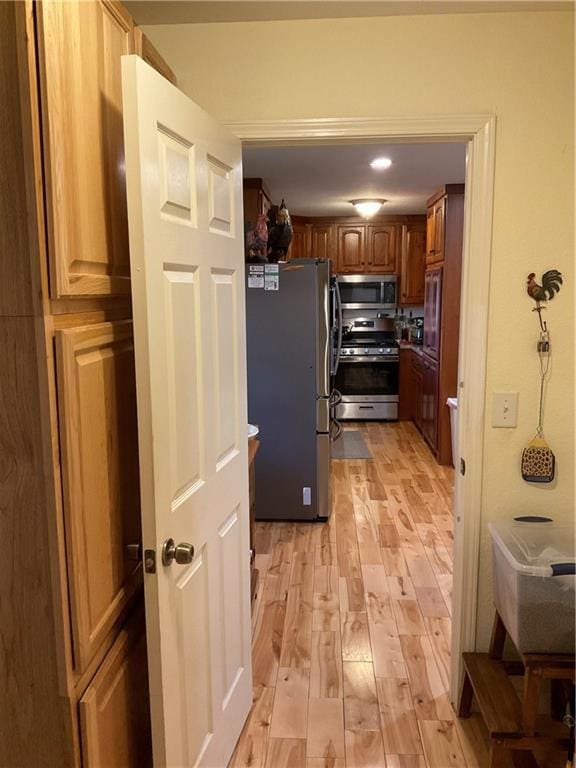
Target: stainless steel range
{"points": [[367, 375]]}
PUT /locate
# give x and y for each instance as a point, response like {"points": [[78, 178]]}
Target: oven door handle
{"points": [[370, 359]]}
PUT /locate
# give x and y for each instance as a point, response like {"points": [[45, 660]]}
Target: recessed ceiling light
{"points": [[381, 163]]}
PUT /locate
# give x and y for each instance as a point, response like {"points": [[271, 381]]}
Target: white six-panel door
{"points": [[184, 184]]}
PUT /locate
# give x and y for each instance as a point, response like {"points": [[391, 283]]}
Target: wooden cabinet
{"points": [[429, 401], [144, 48], [432, 311], [381, 248], [321, 241], [417, 384], [70, 500], [256, 200], [299, 247], [413, 263], [350, 248], [80, 46], [445, 223], [435, 233], [98, 437], [114, 710]]}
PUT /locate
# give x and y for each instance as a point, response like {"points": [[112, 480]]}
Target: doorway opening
{"points": [[334, 596]]}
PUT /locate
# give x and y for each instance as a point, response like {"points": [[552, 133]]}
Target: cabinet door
{"points": [[350, 248], [80, 46], [432, 311], [382, 248], [417, 382], [115, 709], [439, 211], [144, 48], [299, 247], [430, 401], [435, 233], [406, 386], [413, 264], [321, 242], [99, 444]]}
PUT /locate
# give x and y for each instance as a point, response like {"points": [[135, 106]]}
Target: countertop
{"points": [[417, 348]]}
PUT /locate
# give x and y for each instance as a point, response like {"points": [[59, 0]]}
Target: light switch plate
{"points": [[504, 409]]}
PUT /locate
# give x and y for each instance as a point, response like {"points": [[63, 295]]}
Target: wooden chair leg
{"points": [[465, 708], [532, 683], [498, 638]]}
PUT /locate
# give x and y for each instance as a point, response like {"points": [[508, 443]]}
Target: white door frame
{"points": [[480, 133]]}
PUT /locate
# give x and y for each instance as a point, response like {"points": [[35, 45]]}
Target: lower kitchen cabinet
{"points": [[417, 378], [114, 710], [429, 400]]}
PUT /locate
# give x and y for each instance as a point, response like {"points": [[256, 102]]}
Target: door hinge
{"points": [[150, 561], [462, 467]]}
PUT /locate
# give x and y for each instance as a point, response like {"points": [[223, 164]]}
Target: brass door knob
{"points": [[183, 553]]}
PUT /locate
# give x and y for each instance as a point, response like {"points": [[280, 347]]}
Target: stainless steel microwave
{"points": [[368, 291]]}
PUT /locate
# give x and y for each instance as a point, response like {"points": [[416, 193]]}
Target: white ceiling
{"points": [[196, 11], [320, 180]]}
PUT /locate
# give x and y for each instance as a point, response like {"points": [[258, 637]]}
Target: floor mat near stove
{"points": [[350, 445]]}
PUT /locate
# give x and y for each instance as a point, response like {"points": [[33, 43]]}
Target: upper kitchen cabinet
{"points": [[321, 241], [350, 251], [144, 48], [413, 263], [256, 200], [438, 207], [382, 249], [80, 46], [299, 247]]}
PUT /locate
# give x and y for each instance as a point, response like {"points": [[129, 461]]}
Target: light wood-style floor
{"points": [[351, 643]]}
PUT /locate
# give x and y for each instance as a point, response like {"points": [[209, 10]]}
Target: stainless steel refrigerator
{"points": [[292, 348]]}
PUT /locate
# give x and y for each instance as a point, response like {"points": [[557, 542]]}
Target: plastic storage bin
{"points": [[452, 403], [533, 567]]}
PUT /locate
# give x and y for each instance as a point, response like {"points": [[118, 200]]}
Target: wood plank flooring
{"points": [[351, 644]]}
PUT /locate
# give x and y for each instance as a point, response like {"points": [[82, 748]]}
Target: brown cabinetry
{"points": [[429, 401], [321, 246], [299, 247], [83, 145], [413, 263], [435, 232], [445, 223], [98, 438], [69, 417], [350, 256], [410, 385], [114, 711], [381, 248], [432, 311], [256, 200]]}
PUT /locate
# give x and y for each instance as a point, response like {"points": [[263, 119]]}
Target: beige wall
{"points": [[518, 66]]}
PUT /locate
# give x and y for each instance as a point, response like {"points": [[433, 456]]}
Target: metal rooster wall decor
{"points": [[538, 463], [551, 282]]}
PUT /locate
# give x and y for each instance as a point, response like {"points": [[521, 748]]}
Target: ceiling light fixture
{"points": [[368, 206], [381, 163]]}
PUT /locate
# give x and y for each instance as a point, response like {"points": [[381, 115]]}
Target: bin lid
{"points": [[535, 544]]}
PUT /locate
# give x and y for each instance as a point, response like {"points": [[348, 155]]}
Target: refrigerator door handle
{"points": [[338, 305]]}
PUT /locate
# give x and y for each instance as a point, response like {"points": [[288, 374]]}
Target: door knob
{"points": [[183, 553]]}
